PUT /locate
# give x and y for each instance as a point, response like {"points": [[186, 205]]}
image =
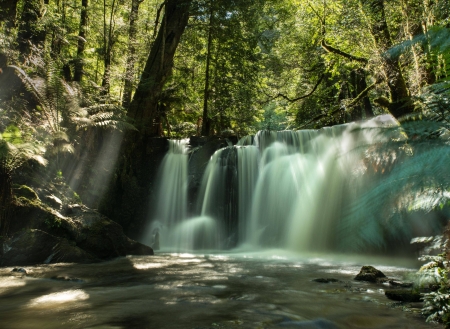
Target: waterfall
{"points": [[170, 207], [285, 189]]}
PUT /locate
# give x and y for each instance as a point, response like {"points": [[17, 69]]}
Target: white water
{"points": [[287, 190], [170, 208]]}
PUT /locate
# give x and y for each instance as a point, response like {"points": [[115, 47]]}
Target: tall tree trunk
{"points": [[8, 13], [158, 68], [108, 32], [79, 64], [30, 32], [206, 125], [131, 58], [399, 94]]}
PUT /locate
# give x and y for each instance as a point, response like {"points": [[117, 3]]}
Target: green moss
{"points": [[52, 222], [23, 191]]}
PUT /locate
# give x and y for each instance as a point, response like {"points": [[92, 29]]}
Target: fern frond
{"points": [[417, 182]]}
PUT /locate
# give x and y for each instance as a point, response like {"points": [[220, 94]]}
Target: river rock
{"points": [[314, 324], [325, 280], [403, 295], [104, 238], [370, 274], [401, 284]]}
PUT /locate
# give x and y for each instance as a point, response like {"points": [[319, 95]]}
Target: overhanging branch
{"points": [[292, 100], [355, 101], [333, 50]]}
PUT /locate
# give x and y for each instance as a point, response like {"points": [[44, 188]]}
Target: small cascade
{"points": [[285, 189], [170, 207], [218, 195]]}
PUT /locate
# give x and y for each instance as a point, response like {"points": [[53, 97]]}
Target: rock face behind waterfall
{"points": [[51, 232]]}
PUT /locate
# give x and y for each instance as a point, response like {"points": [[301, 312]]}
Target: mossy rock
{"points": [[31, 247], [25, 192], [403, 295], [370, 274]]}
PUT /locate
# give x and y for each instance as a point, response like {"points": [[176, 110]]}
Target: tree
{"points": [[31, 31], [8, 13], [143, 107], [376, 19], [79, 65], [131, 56]]}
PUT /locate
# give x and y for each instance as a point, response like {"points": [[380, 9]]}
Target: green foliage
{"points": [[420, 180], [433, 276], [14, 155]]}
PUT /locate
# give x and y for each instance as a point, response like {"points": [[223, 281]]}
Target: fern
{"points": [[420, 180]]}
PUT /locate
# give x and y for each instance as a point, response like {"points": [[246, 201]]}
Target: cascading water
{"points": [[171, 204], [283, 189]]}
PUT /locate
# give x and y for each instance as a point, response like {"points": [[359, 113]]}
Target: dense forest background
{"points": [[85, 83]]}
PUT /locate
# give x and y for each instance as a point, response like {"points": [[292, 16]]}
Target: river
{"points": [[228, 290]]}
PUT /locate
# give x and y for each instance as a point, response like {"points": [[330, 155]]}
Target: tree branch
{"points": [[333, 50], [304, 96], [355, 101]]}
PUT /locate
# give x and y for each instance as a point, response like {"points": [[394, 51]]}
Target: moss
{"points": [[23, 191]]}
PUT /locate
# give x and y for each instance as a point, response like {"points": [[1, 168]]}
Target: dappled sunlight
{"points": [[9, 282], [146, 266], [66, 296]]}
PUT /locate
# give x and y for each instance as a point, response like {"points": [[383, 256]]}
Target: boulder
{"points": [[325, 280], [104, 238], [370, 274], [403, 295], [32, 246]]}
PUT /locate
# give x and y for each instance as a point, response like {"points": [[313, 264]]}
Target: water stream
{"points": [[203, 291]]}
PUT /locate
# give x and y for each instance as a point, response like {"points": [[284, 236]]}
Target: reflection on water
{"points": [[271, 290], [60, 297]]}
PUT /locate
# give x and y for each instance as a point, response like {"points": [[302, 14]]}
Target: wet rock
{"points": [[41, 234], [370, 274], [104, 238], [401, 284], [66, 278], [53, 201], [403, 295], [325, 280], [314, 324], [73, 210], [19, 270], [33, 246]]}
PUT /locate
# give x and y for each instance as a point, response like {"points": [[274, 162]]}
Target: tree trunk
{"points": [[143, 107], [131, 58], [79, 65], [8, 14], [108, 42], [30, 32], [359, 84], [206, 121], [399, 94]]}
